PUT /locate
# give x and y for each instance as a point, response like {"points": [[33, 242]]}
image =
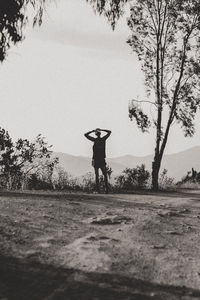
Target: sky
{"points": [[75, 74]]}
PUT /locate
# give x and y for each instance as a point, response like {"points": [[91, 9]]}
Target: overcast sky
{"points": [[72, 75]]}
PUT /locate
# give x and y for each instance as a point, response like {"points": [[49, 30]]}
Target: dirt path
{"points": [[78, 246]]}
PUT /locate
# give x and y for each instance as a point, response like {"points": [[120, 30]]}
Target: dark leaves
{"points": [[13, 20], [111, 9], [142, 120]]}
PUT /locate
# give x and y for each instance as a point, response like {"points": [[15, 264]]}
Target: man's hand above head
{"points": [[106, 130], [87, 135], [108, 133], [91, 131]]}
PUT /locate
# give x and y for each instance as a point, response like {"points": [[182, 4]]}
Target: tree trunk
{"points": [[155, 173]]}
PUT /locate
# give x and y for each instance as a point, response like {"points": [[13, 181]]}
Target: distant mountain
{"points": [[177, 164], [80, 165]]}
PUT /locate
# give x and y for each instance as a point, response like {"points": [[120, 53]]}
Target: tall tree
{"points": [[165, 36], [14, 16]]}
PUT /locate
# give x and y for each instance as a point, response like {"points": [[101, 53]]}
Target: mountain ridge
{"points": [[177, 163]]}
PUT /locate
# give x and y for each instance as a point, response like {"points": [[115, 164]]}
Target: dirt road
{"points": [[79, 246]]}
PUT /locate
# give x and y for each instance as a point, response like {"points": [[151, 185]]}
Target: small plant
{"points": [[165, 181], [109, 171], [88, 182]]}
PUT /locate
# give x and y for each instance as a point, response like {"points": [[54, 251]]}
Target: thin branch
{"points": [[185, 80], [151, 15], [144, 101], [154, 4], [163, 22]]}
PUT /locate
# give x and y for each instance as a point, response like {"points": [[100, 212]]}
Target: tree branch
{"points": [[144, 101]]}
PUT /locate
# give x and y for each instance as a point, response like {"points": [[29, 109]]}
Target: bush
{"points": [[190, 181], [88, 182], [189, 185], [165, 181], [131, 179], [34, 182], [62, 180]]}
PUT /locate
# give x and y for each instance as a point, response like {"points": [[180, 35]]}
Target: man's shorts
{"points": [[99, 163]]}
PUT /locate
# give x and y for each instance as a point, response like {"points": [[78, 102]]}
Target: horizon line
{"points": [[120, 156]]}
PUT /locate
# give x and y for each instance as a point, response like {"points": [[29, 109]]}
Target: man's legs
{"points": [[97, 179], [104, 171]]}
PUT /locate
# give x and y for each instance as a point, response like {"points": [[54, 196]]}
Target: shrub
{"points": [[62, 180], [88, 182], [35, 182], [165, 181], [191, 180], [130, 179]]}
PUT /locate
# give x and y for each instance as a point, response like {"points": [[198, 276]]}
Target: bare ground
{"points": [[79, 246]]}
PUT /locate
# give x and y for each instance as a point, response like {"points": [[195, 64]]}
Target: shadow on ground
{"points": [[22, 279]]}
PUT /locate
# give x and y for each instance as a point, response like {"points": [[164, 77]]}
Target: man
{"points": [[99, 154]]}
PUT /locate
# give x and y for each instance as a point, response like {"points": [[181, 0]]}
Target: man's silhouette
{"points": [[99, 154]]}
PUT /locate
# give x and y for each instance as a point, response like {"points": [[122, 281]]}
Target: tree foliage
{"points": [[14, 16], [142, 119], [111, 9], [21, 159]]}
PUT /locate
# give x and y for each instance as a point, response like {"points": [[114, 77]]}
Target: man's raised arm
{"points": [[88, 136], [108, 133]]}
